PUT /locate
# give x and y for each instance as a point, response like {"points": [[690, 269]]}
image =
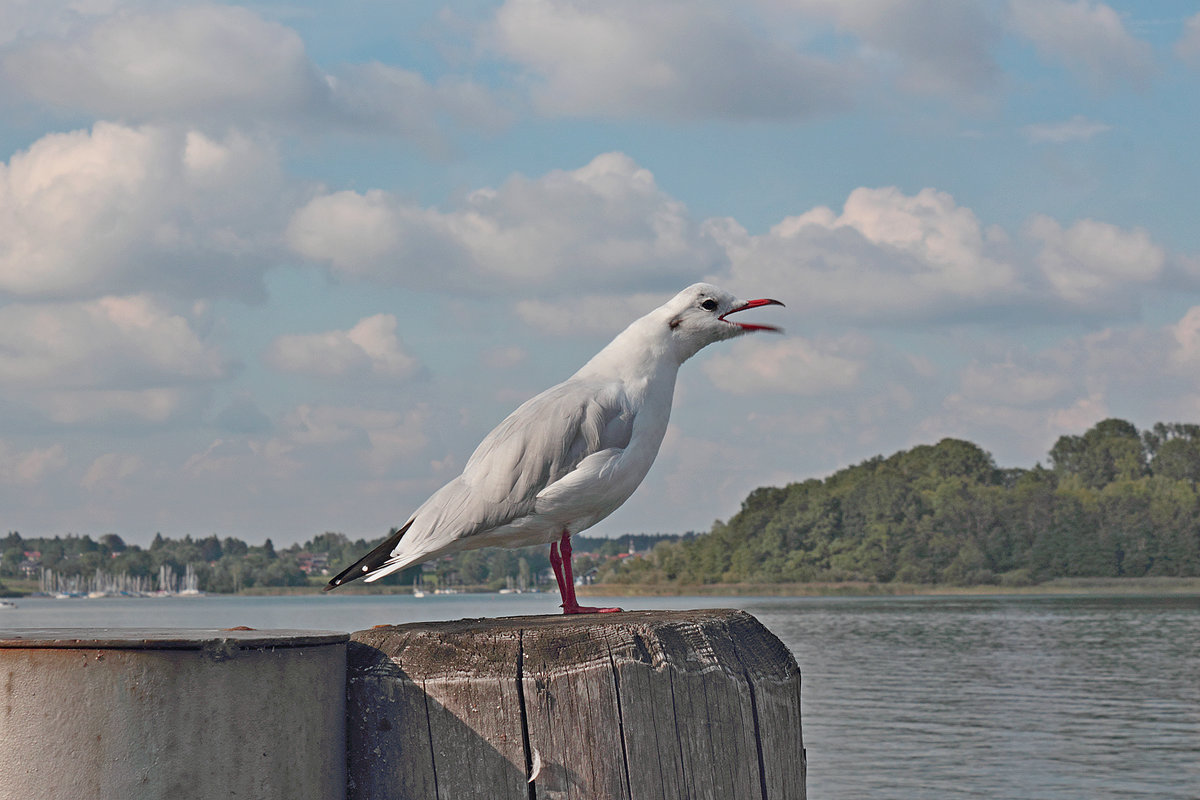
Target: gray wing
{"points": [[536, 445]]}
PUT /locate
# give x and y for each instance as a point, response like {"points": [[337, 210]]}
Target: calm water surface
{"points": [[906, 699]]}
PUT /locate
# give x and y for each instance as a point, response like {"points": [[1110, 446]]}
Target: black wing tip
{"points": [[368, 563]]}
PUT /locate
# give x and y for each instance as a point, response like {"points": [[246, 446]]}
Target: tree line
{"points": [[1113, 502], [230, 565]]}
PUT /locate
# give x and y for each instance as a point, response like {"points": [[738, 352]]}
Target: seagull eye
{"points": [[709, 305]]}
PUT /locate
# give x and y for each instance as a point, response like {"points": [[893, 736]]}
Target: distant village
{"points": [[80, 566]]}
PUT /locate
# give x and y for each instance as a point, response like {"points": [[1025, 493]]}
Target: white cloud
{"points": [[1088, 37], [29, 467], [111, 470], [188, 60], [105, 343], [886, 254], [668, 59], [207, 63], [1095, 264], [123, 356], [890, 256], [314, 439], [1077, 129], [1188, 46], [370, 347], [120, 209], [376, 96], [792, 366], [606, 224], [25, 19], [938, 46], [1011, 384], [1186, 339], [608, 236], [356, 233], [1023, 400], [1018, 435]]}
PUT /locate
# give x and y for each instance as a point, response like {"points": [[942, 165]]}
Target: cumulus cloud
{"points": [[934, 46], [371, 347], [1026, 397], [1088, 37], [25, 19], [111, 470], [190, 59], [670, 59], [120, 208], [114, 356], [608, 236], [207, 63], [606, 224], [1185, 336], [887, 253], [29, 467], [109, 342], [1095, 264], [889, 256]]}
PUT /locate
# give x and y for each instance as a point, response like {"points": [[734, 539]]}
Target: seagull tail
{"points": [[371, 561]]}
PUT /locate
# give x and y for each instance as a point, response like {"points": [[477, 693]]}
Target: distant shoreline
{"points": [[1060, 586], [1154, 585]]}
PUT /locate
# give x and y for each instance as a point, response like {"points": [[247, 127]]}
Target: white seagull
{"points": [[572, 455]]}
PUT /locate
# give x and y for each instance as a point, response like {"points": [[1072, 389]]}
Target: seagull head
{"points": [[699, 316]]}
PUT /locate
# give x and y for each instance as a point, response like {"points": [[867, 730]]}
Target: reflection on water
{"points": [[1001, 697]]}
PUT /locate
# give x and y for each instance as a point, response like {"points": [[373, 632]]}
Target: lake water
{"points": [[903, 698]]}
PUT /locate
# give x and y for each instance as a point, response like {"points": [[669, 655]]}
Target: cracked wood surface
{"points": [[652, 704]]}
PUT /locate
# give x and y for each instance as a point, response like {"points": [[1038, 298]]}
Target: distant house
{"points": [[310, 563], [32, 565]]}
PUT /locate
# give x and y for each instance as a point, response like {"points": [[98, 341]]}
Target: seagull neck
{"points": [[635, 356]]}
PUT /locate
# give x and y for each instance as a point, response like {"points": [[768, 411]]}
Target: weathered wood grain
{"points": [[662, 705], [436, 715]]}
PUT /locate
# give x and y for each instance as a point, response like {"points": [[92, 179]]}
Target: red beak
{"points": [[746, 326]]}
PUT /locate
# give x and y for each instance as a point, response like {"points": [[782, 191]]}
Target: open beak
{"points": [[746, 326]]}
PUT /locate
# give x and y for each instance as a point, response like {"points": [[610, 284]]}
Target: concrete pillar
{"points": [[177, 714]]}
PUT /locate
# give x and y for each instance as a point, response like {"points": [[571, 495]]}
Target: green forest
{"points": [[1114, 502]]}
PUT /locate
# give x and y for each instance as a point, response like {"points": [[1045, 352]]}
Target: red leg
{"points": [[566, 579], [556, 564]]}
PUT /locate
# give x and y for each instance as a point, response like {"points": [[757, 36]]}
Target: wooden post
{"points": [[652, 704]]}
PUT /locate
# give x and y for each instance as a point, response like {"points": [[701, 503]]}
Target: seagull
{"points": [[570, 456]]}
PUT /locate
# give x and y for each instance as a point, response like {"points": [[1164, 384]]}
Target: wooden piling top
{"points": [[661, 704]]}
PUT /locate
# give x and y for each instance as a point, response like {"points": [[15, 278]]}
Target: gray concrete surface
{"points": [[124, 714]]}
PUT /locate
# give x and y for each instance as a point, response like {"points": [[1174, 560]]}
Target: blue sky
{"points": [[274, 269]]}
